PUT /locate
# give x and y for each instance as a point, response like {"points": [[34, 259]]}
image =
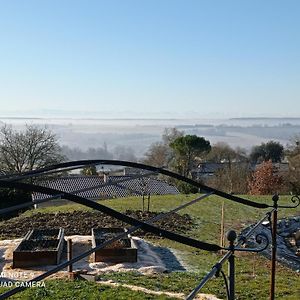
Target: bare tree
{"points": [[91, 153], [293, 156], [232, 179], [171, 134], [233, 175], [160, 153], [157, 155], [222, 152], [124, 153], [29, 149]]}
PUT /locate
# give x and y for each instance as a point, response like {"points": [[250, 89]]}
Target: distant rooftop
{"points": [[101, 187]]}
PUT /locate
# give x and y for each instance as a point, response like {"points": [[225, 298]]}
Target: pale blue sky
{"points": [[222, 58]]}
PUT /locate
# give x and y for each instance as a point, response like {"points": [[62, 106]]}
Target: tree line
{"points": [[268, 168], [236, 171]]}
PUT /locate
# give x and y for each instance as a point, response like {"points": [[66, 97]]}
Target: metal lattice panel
{"points": [[134, 187]]}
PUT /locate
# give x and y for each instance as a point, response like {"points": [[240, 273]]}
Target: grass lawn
{"points": [[77, 290], [252, 270]]}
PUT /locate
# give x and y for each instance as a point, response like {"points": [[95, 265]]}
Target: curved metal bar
{"points": [[30, 174], [218, 266], [242, 238], [149, 168], [295, 199], [226, 284], [109, 211], [29, 204], [215, 270], [102, 245], [260, 238]]}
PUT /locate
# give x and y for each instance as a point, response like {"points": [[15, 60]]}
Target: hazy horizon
{"points": [[71, 114], [134, 136]]}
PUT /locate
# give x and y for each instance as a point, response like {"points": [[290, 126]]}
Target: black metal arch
{"points": [[111, 212], [83, 163], [12, 181]]}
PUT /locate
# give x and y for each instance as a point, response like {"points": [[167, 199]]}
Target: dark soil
{"points": [[122, 243], [38, 245], [44, 234], [102, 235], [82, 222]]}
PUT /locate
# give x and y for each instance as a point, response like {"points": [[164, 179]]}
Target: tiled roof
{"points": [[281, 167], [123, 186], [211, 167]]}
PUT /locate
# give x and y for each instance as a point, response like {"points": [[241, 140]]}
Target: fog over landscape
{"points": [[130, 138]]}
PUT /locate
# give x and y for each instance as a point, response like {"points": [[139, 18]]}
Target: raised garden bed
{"points": [[39, 247], [44, 234], [123, 250]]}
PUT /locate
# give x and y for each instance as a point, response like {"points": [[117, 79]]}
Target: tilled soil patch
{"points": [[82, 222]]}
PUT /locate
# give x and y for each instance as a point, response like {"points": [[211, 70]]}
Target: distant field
{"points": [[252, 277], [139, 134]]}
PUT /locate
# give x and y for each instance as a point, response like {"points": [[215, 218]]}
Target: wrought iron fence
{"points": [[15, 181]]}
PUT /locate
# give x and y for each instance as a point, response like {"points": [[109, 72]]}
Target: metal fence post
{"points": [[275, 199], [231, 236], [148, 202], [69, 255]]}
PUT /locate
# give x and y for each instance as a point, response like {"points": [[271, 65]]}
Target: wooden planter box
{"points": [[45, 234], [123, 250], [39, 247]]}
